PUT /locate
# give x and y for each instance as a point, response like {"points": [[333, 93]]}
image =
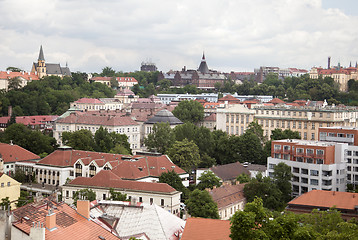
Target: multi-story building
{"points": [[262, 72], [92, 120], [315, 165], [234, 119], [160, 194], [349, 136], [8, 187], [123, 82], [167, 98], [23, 77], [304, 119], [339, 75]]}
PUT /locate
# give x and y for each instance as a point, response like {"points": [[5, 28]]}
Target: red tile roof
{"points": [[107, 179], [211, 105], [229, 98], [14, 153], [30, 120], [211, 117], [69, 224], [228, 194], [25, 75], [96, 118], [327, 199], [276, 101], [88, 100], [204, 228]]}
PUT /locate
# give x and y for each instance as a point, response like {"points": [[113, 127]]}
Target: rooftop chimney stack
{"points": [[51, 220], [329, 62], [37, 232], [83, 208]]}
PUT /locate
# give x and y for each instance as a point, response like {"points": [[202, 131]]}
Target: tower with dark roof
{"points": [[41, 65], [203, 68]]}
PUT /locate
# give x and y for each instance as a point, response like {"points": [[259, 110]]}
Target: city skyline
{"points": [[235, 36]]}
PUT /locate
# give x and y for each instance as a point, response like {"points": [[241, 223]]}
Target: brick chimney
{"points": [[50, 221], [37, 232], [83, 208]]}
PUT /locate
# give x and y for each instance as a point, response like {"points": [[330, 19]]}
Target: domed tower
{"points": [[41, 65]]}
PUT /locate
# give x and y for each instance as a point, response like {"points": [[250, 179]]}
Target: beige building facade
{"points": [[306, 120], [9, 188]]}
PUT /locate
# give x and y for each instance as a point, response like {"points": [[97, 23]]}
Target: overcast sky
{"points": [[236, 35]]}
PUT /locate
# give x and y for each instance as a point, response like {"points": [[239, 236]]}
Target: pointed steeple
{"points": [[350, 64], [356, 64], [41, 55], [203, 67], [203, 58]]}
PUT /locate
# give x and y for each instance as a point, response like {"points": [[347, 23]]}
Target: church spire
{"points": [[203, 58], [41, 55]]}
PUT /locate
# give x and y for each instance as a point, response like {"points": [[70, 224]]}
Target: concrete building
{"points": [[315, 165]]}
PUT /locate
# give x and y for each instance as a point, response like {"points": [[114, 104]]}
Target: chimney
{"points": [[83, 208], [37, 232], [9, 111], [50, 220], [329, 63]]}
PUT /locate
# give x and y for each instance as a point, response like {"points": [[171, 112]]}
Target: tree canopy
{"points": [[185, 154], [161, 138], [84, 194], [201, 204], [208, 180], [174, 180], [189, 111]]}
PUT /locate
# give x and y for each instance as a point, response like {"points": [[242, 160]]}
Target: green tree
{"points": [[201, 204], [117, 196], [13, 69], [189, 111], [103, 140], [243, 178], [282, 176], [84, 194], [161, 138], [5, 203], [208, 180], [185, 154], [14, 83], [173, 179], [25, 198], [114, 82], [79, 140], [107, 72]]}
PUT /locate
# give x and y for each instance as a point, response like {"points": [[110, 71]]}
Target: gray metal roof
{"points": [[164, 116]]}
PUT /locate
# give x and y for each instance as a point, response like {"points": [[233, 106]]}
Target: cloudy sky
{"points": [[236, 35]]}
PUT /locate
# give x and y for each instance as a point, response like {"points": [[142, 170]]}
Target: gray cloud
{"points": [[235, 34]]}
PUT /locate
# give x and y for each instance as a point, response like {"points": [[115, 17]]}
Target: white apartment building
{"points": [[315, 165], [167, 98]]}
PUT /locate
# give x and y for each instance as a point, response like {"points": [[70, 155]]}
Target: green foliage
{"points": [[161, 138], [189, 111], [102, 141], [32, 140], [201, 204], [107, 72], [117, 196], [282, 176], [84, 194], [14, 83], [114, 83], [13, 69], [185, 154], [173, 179], [208, 180], [5, 203], [51, 95], [243, 178], [24, 198], [22, 177]]}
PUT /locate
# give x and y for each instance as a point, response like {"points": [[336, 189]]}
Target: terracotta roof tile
{"points": [[107, 179], [204, 228], [230, 99], [31, 120], [327, 199], [211, 117], [69, 224], [25, 75], [15, 153], [96, 118], [88, 100], [226, 195], [276, 101]]}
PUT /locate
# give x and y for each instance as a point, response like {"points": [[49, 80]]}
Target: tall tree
{"points": [[185, 154], [108, 72], [103, 140], [208, 180], [161, 138], [189, 111], [201, 204], [79, 140], [14, 83], [173, 179], [282, 176]]}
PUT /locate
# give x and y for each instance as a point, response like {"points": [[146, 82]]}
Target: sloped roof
{"points": [[205, 228], [30, 120], [88, 100], [327, 199], [211, 117], [152, 220], [229, 98], [229, 171], [256, 167], [14, 153], [24, 75], [203, 67], [107, 179], [164, 116], [96, 118], [228, 194], [276, 101], [69, 224]]}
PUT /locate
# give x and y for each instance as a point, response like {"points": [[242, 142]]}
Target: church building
{"points": [[41, 68]]}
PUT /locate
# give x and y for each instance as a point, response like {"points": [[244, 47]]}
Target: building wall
{"points": [[9, 188], [227, 212], [171, 201]]}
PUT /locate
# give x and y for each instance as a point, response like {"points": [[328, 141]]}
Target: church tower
{"points": [[203, 67], [41, 66]]}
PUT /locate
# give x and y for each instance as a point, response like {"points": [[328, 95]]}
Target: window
{"points": [[140, 199], [304, 180], [299, 159], [271, 166], [295, 170], [309, 160], [151, 201], [313, 126], [299, 150], [314, 182], [8, 184], [312, 136], [304, 171], [299, 125], [314, 172], [162, 202], [277, 147], [305, 125], [104, 196], [2, 184], [71, 173], [305, 136]]}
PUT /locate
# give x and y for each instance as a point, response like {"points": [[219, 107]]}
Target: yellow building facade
{"points": [[9, 188]]}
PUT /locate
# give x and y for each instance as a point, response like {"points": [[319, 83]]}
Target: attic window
{"points": [[140, 169], [163, 168], [173, 166], [152, 167]]}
